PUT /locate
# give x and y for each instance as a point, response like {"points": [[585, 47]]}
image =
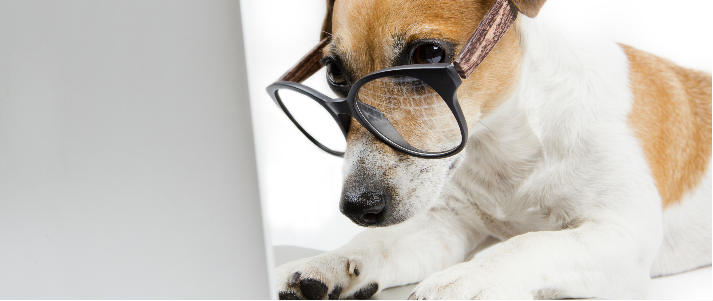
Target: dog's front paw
{"points": [[466, 281], [327, 276]]}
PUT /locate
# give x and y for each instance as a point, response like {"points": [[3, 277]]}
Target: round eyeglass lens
{"points": [[410, 113], [313, 118]]}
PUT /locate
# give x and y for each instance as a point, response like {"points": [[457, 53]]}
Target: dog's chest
{"points": [[503, 177]]}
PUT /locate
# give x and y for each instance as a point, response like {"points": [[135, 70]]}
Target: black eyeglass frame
{"points": [[442, 78]]}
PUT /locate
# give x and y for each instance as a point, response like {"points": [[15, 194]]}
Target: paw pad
{"points": [[313, 289], [334, 295], [366, 292]]}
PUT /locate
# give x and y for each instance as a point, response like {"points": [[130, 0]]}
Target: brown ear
{"points": [[327, 25], [528, 8]]}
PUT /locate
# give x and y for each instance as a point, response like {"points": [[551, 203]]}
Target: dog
{"points": [[586, 172]]}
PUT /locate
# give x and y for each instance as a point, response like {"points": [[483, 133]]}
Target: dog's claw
{"points": [[294, 279], [353, 269]]}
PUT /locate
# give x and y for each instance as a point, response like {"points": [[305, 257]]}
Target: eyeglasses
{"points": [[411, 108]]}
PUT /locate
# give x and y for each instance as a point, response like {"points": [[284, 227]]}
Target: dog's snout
{"points": [[366, 208]]}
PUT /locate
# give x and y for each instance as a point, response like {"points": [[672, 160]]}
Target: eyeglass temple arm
{"points": [[493, 27], [308, 65]]}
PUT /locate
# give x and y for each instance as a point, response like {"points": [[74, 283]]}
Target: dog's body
{"points": [[588, 161]]}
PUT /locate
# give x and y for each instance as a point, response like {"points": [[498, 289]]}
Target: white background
{"points": [[300, 184]]}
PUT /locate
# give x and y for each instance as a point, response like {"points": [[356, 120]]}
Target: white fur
{"points": [[687, 232], [557, 175]]}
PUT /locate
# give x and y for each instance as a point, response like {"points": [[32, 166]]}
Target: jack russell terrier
{"points": [[585, 173]]}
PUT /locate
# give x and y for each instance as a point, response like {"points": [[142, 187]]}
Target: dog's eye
{"points": [[335, 75], [428, 53]]}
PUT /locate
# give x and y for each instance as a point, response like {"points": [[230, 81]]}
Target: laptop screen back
{"points": [[127, 167]]}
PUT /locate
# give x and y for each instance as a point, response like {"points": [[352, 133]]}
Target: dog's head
{"points": [[383, 186]]}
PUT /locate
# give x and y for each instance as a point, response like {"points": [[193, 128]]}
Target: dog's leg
{"points": [[379, 258], [596, 259]]}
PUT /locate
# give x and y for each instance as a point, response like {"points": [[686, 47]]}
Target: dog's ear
{"points": [[528, 8], [327, 25]]}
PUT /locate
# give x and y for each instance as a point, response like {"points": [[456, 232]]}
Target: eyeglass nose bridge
{"points": [[339, 107]]}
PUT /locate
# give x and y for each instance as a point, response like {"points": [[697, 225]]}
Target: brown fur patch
{"points": [[671, 116], [365, 32]]}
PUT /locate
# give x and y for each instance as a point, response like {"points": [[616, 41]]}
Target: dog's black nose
{"points": [[365, 208]]}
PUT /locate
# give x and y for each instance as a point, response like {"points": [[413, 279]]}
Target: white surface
{"points": [[301, 184], [126, 168], [693, 285]]}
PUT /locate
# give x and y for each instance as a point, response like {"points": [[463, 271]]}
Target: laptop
{"points": [[127, 166]]}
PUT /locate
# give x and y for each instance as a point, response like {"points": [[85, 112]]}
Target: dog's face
{"points": [[383, 186]]}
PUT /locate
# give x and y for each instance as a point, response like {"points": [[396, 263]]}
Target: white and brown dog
{"points": [[588, 163]]}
